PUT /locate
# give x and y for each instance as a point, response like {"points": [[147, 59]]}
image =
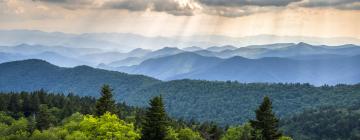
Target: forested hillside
{"points": [[329, 122], [233, 102], [34, 74], [223, 102]]}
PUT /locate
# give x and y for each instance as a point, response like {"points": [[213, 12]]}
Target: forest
{"points": [[224, 102], [41, 115]]}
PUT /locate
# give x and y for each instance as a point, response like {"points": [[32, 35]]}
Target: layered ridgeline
{"points": [[314, 69], [222, 102]]}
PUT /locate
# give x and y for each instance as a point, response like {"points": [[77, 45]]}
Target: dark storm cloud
{"points": [[235, 3], [337, 4], [131, 5], [168, 6], [228, 8]]}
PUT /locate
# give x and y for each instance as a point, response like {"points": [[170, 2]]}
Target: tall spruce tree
{"points": [[105, 103], [156, 121], [266, 123]]}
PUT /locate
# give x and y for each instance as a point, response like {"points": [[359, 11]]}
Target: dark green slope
{"points": [[234, 103], [33, 74], [325, 123]]}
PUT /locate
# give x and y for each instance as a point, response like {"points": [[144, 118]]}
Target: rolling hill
{"points": [[33, 74]]}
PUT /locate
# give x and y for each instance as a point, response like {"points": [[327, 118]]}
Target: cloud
{"points": [[241, 3], [227, 8], [71, 4], [337, 4], [174, 7]]}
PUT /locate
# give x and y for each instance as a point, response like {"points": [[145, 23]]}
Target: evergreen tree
{"points": [[266, 123], [43, 118], [156, 121], [105, 103], [14, 104]]}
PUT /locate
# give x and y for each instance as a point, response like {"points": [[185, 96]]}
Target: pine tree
{"points": [[266, 123], [105, 103], [14, 105], [43, 118], [156, 121]]}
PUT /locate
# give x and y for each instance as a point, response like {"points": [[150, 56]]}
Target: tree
{"points": [[14, 105], [238, 133], [266, 123], [43, 119], [156, 121], [105, 103], [188, 134], [109, 127]]}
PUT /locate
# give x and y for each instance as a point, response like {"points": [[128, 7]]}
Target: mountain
{"points": [[188, 99], [221, 48], [307, 49], [51, 57], [5, 57], [272, 46], [104, 57], [192, 49], [170, 66], [58, 59], [166, 51], [234, 103], [248, 52], [33, 74], [27, 49], [138, 52], [318, 70], [126, 62], [125, 41]]}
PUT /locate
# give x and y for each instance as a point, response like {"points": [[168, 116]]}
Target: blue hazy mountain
{"points": [[192, 48], [318, 70], [307, 49], [221, 48], [51, 57], [171, 66], [166, 51], [315, 71], [36, 49]]}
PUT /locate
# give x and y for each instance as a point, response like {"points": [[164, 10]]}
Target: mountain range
{"points": [[188, 99], [281, 62], [127, 41]]}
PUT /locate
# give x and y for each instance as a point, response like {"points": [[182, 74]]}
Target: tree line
{"points": [[41, 115]]}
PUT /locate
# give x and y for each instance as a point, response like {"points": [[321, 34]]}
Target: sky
{"points": [[235, 18]]}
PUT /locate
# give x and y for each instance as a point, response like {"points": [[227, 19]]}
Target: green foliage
{"points": [[266, 121], [243, 132], [156, 121], [233, 103], [106, 102], [108, 126], [330, 123], [17, 129], [188, 134], [171, 134], [77, 135], [285, 138]]}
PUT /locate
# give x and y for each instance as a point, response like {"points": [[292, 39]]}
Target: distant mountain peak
{"points": [[303, 44], [192, 48], [137, 50]]}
